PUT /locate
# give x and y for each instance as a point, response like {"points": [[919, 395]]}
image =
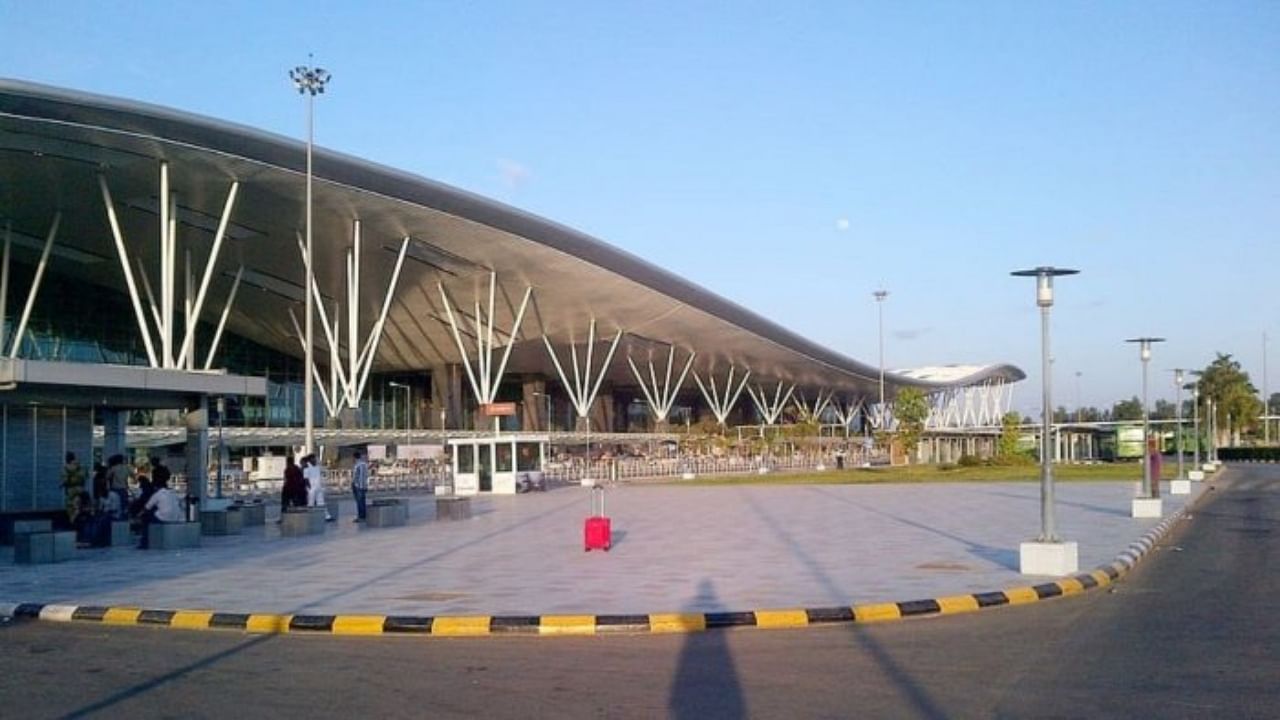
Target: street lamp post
{"points": [[310, 81], [408, 406], [1177, 382], [1196, 472], [880, 296], [1149, 502], [222, 448], [1048, 555]]}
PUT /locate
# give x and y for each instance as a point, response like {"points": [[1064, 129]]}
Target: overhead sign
{"points": [[495, 409]]}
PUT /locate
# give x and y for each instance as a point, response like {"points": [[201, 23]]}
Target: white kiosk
{"points": [[492, 464]]}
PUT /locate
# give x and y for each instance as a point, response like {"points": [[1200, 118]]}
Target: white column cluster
{"points": [[770, 410], [581, 390], [661, 398], [175, 352], [721, 405], [347, 385], [484, 378]]}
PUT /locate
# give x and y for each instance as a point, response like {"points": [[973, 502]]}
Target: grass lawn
{"points": [[932, 473]]}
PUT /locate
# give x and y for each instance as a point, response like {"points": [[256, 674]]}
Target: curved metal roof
{"points": [[54, 142]]}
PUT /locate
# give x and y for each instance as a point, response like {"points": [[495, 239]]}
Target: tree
{"points": [[911, 409], [1010, 433], [1164, 410], [1130, 409], [1235, 400]]}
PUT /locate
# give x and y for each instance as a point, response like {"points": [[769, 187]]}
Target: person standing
{"points": [[315, 484], [72, 484], [293, 493], [118, 474], [360, 485]]}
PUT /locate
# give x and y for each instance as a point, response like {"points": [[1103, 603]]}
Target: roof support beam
{"points": [[484, 381], [128, 272], [661, 398], [582, 392], [770, 411], [35, 284], [721, 408]]}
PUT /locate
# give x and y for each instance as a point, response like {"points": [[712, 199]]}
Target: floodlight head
{"points": [[1044, 276], [1144, 346], [880, 295], [309, 80]]}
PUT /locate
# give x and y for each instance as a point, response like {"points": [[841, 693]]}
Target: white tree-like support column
{"points": [[721, 406], [484, 381], [770, 410], [661, 398], [582, 391], [35, 283], [846, 410], [347, 385], [162, 313], [814, 412]]}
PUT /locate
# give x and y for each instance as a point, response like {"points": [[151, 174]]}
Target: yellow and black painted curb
{"points": [[544, 625]]}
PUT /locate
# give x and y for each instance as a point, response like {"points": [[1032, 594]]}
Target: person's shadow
{"points": [[706, 683]]}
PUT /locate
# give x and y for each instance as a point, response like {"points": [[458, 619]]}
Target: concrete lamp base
{"points": [[1196, 475], [1180, 487], [1049, 558], [1148, 507]]}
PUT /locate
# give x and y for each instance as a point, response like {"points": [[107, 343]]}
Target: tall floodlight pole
{"points": [[1177, 382], [1048, 555], [1266, 401], [1150, 485], [1195, 414], [1078, 414], [310, 81], [880, 296], [408, 405]]}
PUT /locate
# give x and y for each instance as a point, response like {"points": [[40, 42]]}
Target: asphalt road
{"points": [[1192, 633]]}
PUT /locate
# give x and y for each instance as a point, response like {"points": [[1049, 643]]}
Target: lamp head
{"points": [[1044, 276]]}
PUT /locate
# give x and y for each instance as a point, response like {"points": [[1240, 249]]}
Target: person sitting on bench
{"points": [[163, 507]]}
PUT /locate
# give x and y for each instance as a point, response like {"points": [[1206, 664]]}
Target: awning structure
{"points": [[411, 274]]}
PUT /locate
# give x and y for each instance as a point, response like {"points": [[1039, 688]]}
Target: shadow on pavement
{"points": [[706, 684], [1004, 557], [175, 674], [910, 690]]}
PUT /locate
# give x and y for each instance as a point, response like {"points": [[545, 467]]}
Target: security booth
{"points": [[497, 464]]}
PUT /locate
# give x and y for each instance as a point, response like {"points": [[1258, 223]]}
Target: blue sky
{"points": [[794, 159]]}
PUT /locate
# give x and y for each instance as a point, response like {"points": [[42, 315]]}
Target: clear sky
{"points": [[794, 159]]}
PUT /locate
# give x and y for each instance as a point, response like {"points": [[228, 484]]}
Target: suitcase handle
{"points": [[597, 491]]}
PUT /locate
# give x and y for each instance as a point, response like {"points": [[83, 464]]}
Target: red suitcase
{"points": [[597, 533]]}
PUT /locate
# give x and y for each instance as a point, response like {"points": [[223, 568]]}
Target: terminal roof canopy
{"points": [[54, 143]]}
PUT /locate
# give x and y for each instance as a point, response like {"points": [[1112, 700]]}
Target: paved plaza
{"points": [[676, 548]]}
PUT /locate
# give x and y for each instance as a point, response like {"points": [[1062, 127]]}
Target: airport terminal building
{"points": [[154, 269]]}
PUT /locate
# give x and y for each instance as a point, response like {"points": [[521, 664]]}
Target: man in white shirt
{"points": [[163, 507], [315, 484]]}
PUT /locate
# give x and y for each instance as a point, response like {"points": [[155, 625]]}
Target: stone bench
{"points": [[387, 512], [252, 514], [173, 536], [453, 507], [297, 522], [32, 548], [121, 534], [221, 522], [23, 527]]}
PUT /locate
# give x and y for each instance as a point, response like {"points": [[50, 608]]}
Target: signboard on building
{"points": [[496, 409], [377, 452], [419, 452]]}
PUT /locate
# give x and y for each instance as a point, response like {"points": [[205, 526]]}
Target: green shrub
{"points": [[968, 461]]}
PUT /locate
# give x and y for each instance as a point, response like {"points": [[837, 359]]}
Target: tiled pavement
{"points": [[675, 549]]}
